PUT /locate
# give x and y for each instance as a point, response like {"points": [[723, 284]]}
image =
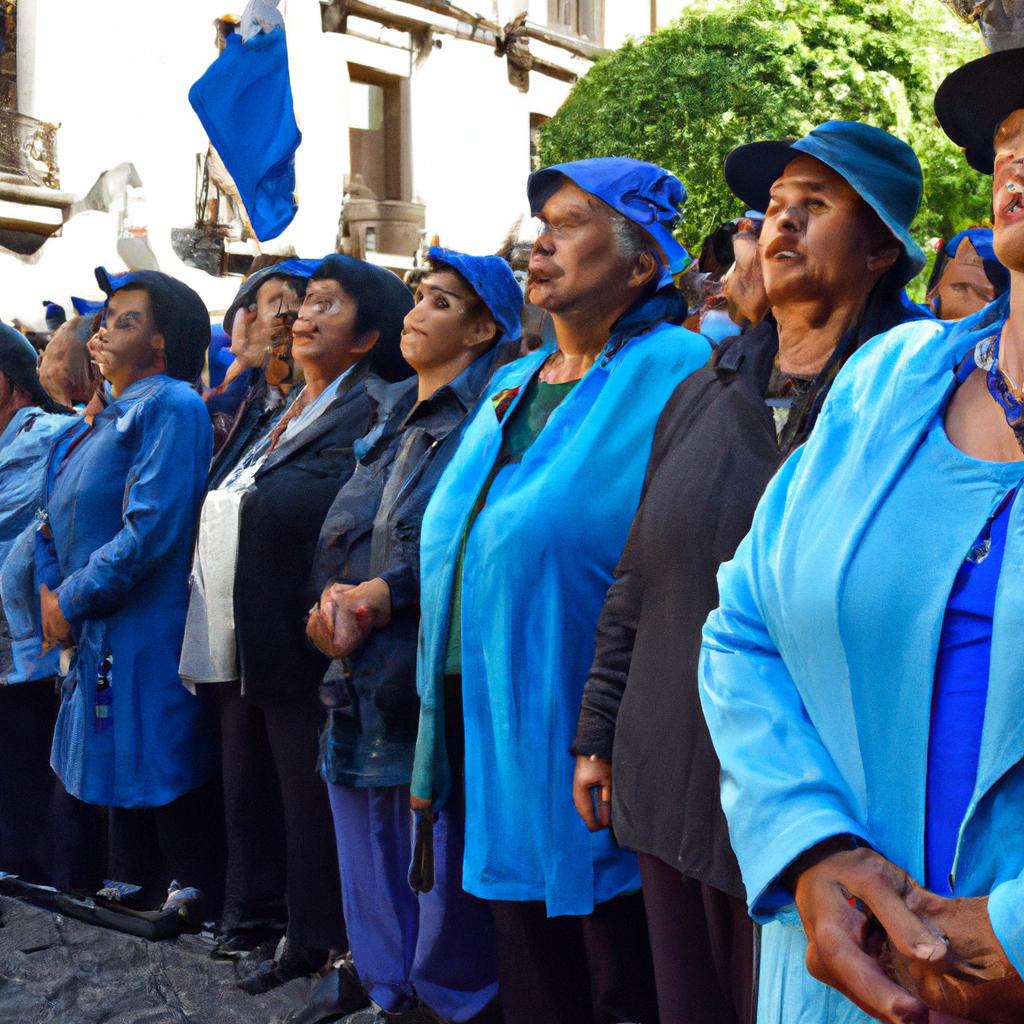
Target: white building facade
{"points": [[393, 91]]}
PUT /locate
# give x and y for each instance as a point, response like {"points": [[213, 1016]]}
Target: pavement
{"points": [[55, 970]]}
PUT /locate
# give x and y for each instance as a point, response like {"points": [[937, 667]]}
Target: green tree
{"points": [[728, 73]]}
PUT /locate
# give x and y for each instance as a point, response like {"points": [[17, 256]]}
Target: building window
{"points": [[583, 18], [375, 131]]}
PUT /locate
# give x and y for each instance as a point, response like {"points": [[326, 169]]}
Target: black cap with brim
{"points": [[975, 99], [18, 361]]}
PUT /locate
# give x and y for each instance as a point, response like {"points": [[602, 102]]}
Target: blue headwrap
{"points": [[492, 280], [644, 193]]}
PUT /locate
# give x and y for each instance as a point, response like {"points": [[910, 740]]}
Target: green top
{"points": [[521, 429]]}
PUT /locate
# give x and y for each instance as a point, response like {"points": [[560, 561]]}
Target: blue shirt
{"points": [[958, 699]]}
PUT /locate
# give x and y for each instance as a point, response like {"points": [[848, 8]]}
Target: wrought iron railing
{"points": [[28, 149]]}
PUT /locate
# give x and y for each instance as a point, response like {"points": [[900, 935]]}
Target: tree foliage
{"points": [[728, 73]]}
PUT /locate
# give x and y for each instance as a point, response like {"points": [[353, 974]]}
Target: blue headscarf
{"points": [[492, 280]]}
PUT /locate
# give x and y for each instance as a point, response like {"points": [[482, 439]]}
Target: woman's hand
{"points": [[346, 616], [590, 772], [843, 946], [56, 628], [975, 980]]}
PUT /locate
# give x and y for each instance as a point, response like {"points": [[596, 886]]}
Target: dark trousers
{"points": [[575, 970], [702, 941], [182, 841], [46, 835], [274, 798]]}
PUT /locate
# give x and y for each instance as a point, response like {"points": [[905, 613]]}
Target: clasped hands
{"points": [[347, 614], [899, 952]]}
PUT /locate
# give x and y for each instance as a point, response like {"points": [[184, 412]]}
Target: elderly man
{"points": [[30, 795], [518, 547], [862, 675]]}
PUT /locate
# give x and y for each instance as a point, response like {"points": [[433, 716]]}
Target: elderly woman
{"points": [[437, 947], [517, 551], [862, 676], [346, 335], [836, 252], [966, 276], [65, 369], [121, 498], [641, 733]]}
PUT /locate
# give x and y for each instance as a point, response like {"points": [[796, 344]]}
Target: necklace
{"points": [[1006, 394]]}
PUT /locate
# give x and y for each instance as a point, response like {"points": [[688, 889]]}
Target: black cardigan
{"points": [[713, 454], [278, 531]]}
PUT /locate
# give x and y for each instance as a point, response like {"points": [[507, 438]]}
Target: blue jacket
{"points": [[122, 508], [538, 562], [372, 530], [817, 668], [24, 444]]}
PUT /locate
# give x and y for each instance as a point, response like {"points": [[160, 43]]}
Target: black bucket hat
{"points": [[180, 314], [974, 100]]}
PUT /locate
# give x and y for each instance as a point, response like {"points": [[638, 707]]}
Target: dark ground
{"points": [[55, 970]]}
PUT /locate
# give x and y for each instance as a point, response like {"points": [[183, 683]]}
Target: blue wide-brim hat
{"points": [[883, 170], [294, 268], [644, 193], [492, 280], [974, 100]]}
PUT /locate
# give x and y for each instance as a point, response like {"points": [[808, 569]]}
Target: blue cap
{"points": [[981, 239], [883, 170], [493, 281], [86, 307], [644, 193], [251, 285]]}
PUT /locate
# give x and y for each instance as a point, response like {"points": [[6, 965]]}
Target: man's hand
{"points": [[975, 980], [346, 616], [56, 628], [593, 771], [843, 946]]}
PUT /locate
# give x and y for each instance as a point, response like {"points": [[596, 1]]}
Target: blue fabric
{"points": [[883, 170], [820, 660], [644, 193], [958, 700], [122, 505], [86, 307], [244, 101], [220, 358], [24, 444], [537, 565], [439, 944], [493, 281]]}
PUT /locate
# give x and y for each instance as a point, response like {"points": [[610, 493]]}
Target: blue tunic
{"points": [[122, 500], [538, 562], [818, 667], [24, 444]]}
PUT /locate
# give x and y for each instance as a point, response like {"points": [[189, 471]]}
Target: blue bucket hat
{"points": [[644, 193], [251, 285], [494, 283], [883, 170]]}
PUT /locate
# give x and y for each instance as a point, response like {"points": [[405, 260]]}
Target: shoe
{"points": [[187, 901], [243, 942], [270, 974], [336, 995]]}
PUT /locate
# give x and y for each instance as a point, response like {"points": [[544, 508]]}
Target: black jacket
{"points": [[713, 454], [372, 530], [278, 530]]}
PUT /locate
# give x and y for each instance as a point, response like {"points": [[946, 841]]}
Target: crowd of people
{"points": [[668, 671]]}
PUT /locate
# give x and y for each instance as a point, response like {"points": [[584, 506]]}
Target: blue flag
{"points": [[244, 101]]}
